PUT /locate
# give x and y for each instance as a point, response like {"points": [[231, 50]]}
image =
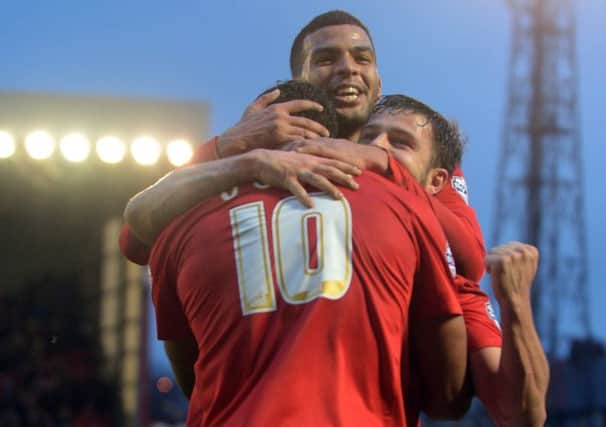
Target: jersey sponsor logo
{"points": [[451, 261], [460, 186], [491, 313]]}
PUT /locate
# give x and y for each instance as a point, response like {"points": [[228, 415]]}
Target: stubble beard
{"points": [[350, 124]]}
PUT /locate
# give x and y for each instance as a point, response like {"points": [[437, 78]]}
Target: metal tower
{"points": [[540, 171]]}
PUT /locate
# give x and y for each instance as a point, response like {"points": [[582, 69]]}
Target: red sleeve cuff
{"points": [[206, 152]]}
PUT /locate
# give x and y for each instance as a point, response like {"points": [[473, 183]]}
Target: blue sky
{"points": [[453, 55]]}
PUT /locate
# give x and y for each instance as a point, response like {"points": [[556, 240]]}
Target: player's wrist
{"points": [[228, 145], [381, 161], [378, 161], [369, 157], [515, 307], [253, 163]]}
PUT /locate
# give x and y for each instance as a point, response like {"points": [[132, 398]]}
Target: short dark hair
{"points": [[327, 19], [448, 141], [295, 89]]}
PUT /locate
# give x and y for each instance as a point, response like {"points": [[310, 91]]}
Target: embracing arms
{"points": [[149, 211]]}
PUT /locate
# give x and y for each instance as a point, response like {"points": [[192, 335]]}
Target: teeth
{"points": [[348, 91]]}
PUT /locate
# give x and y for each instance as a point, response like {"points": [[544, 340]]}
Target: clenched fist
{"points": [[513, 267]]}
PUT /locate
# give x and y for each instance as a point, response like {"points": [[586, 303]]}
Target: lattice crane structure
{"points": [[540, 170]]}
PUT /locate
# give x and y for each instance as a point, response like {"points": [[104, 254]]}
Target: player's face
{"points": [[341, 60], [407, 136]]}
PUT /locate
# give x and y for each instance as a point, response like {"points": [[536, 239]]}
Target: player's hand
{"points": [[269, 126], [513, 267], [292, 171], [363, 156]]}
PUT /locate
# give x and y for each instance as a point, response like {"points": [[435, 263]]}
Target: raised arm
{"points": [[437, 327], [440, 361], [512, 381]]}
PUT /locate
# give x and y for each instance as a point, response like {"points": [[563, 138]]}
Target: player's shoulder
{"points": [[378, 187], [457, 187], [382, 196], [219, 205]]}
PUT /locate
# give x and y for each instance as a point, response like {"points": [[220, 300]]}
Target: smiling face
{"points": [[341, 60]]}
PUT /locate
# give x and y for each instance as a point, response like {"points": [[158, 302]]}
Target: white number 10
{"points": [[312, 252]]}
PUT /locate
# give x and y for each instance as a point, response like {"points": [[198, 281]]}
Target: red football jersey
{"points": [[456, 198], [301, 315], [132, 248], [482, 327], [458, 219]]}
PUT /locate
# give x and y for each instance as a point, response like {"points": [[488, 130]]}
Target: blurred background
{"points": [[99, 99]]}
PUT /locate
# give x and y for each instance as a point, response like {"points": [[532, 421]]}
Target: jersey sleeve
{"points": [[456, 217], [132, 248], [171, 321], [434, 292], [205, 152], [462, 227], [482, 327]]}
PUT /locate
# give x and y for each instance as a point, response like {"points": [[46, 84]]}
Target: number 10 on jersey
{"points": [[312, 252]]}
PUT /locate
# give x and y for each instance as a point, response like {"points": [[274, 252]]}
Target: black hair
{"points": [[327, 19], [295, 89], [447, 139]]}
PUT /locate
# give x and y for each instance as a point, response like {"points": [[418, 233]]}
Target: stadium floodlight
{"points": [[7, 144], [179, 152], [75, 147], [111, 149], [40, 145], [145, 150]]}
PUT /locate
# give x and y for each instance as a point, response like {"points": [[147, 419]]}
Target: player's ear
{"points": [[436, 180]]}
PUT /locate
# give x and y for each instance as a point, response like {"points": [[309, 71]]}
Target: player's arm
{"points": [[468, 252], [262, 126], [368, 157], [440, 347], [437, 327], [172, 325], [182, 355], [148, 212], [461, 225], [512, 382]]}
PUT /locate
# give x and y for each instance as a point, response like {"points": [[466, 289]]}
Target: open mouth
{"points": [[346, 94]]}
